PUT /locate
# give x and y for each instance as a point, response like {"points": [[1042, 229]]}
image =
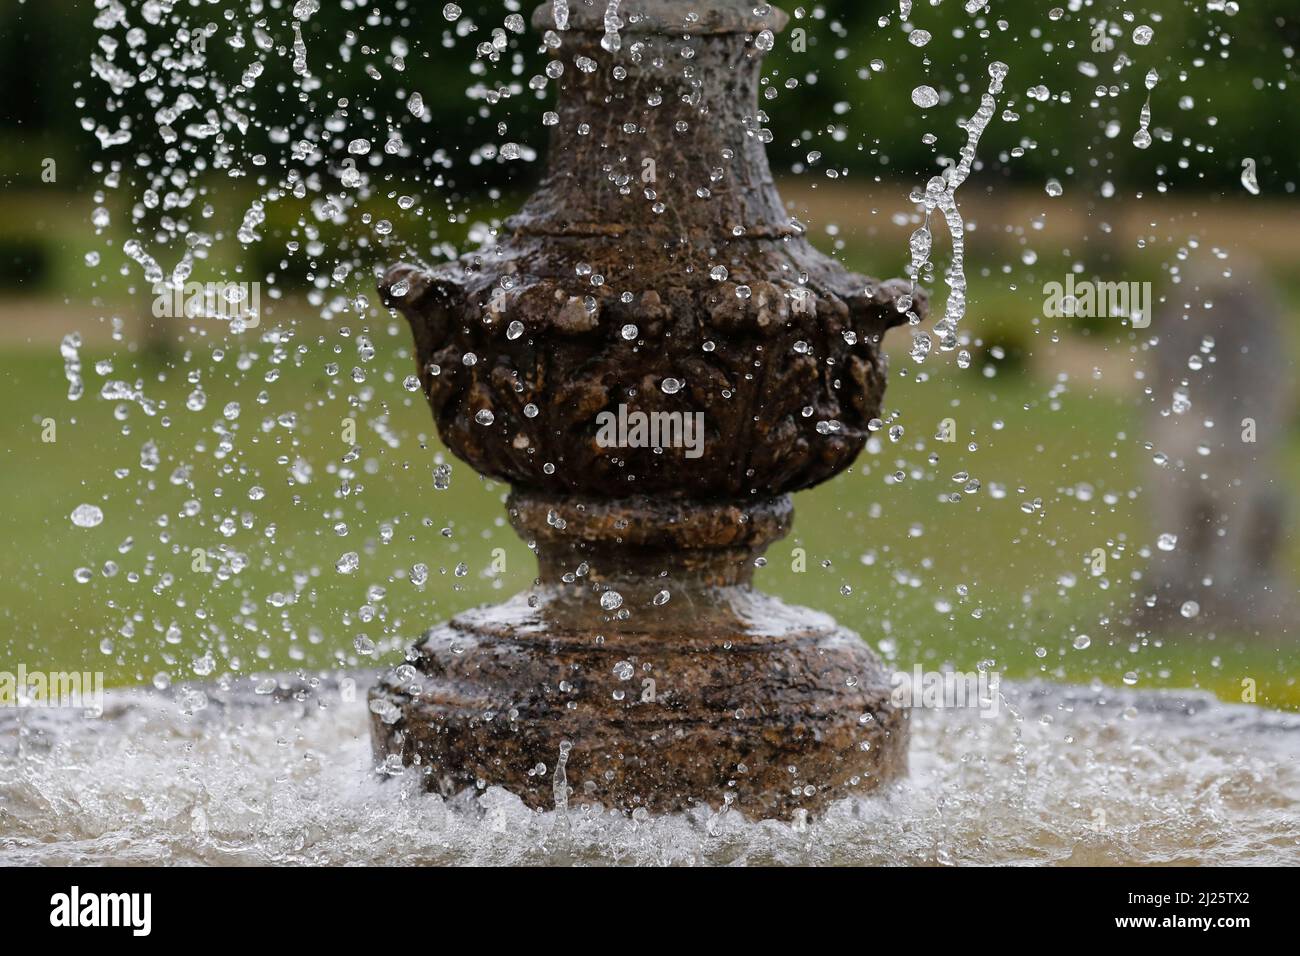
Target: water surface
{"points": [[1081, 776]]}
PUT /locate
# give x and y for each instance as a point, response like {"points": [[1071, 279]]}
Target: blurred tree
{"points": [[1226, 84]]}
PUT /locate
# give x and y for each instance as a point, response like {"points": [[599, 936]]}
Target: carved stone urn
{"points": [[654, 357]]}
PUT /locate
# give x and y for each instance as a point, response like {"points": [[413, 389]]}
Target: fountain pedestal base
{"points": [[645, 650]]}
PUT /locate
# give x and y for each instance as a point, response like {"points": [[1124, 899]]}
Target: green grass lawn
{"points": [[935, 581]]}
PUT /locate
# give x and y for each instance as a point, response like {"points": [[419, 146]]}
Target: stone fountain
{"points": [[656, 278]]}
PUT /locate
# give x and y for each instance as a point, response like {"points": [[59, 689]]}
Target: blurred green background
{"points": [[1052, 407]]}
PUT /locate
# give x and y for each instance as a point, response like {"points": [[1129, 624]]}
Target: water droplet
{"points": [[1248, 178], [925, 97], [87, 516]]}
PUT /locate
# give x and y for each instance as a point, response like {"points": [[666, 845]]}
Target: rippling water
{"points": [[1082, 775]]}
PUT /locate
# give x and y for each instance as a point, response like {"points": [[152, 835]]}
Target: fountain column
{"points": [[653, 277]]}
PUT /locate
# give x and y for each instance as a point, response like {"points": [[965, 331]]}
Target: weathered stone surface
{"points": [[656, 247], [693, 687]]}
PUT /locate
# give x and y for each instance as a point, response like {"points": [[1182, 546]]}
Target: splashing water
{"points": [[299, 52], [941, 194], [1248, 176], [87, 516], [611, 41], [1142, 138], [925, 96], [1020, 789], [1079, 776], [560, 785], [70, 350]]}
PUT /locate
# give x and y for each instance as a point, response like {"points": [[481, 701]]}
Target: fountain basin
{"points": [[1063, 775]]}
